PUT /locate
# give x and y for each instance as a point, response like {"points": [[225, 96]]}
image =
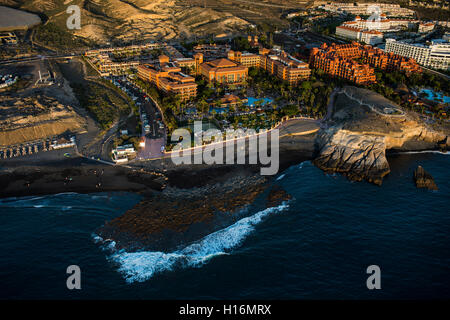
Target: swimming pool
{"points": [[251, 101], [435, 96]]}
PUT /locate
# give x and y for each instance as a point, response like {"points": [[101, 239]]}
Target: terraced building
{"points": [[167, 76], [276, 62]]}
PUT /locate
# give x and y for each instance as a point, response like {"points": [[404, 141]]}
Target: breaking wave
{"points": [[141, 266]]}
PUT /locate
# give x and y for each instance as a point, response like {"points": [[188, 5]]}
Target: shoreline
{"points": [[35, 180], [184, 205], [87, 176]]}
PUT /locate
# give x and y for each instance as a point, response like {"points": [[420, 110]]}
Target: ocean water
{"points": [[316, 246]]}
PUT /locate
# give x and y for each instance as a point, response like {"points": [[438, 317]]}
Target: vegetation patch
{"points": [[101, 102]]}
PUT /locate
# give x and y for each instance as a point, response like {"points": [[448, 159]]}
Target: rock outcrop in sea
{"points": [[423, 179], [361, 125]]}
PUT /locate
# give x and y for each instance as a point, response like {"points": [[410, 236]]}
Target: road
{"points": [[436, 73], [37, 58], [155, 136]]}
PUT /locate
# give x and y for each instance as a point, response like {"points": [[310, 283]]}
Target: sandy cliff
{"points": [[35, 117]]}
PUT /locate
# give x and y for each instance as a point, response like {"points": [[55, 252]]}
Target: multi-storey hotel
{"points": [[435, 55], [106, 66], [135, 49], [392, 10], [337, 60], [426, 27], [224, 71], [167, 76], [246, 59], [337, 66], [103, 60], [388, 61], [276, 62], [366, 36], [383, 25], [285, 67], [192, 65]]}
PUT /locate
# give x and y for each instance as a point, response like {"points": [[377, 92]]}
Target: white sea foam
{"points": [[141, 266], [280, 177]]}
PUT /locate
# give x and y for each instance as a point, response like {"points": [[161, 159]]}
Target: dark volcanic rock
{"points": [[277, 196], [178, 216], [442, 145], [423, 179]]}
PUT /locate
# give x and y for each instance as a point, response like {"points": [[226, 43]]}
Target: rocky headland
{"points": [[361, 126]]}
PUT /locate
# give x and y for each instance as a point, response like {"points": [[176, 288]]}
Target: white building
{"points": [[435, 55], [366, 36], [122, 153], [426, 27], [383, 25], [62, 143], [390, 10]]}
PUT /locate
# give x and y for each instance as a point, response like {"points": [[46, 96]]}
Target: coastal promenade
{"points": [[288, 128]]}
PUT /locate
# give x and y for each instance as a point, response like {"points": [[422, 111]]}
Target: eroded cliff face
{"points": [[361, 126], [355, 155]]}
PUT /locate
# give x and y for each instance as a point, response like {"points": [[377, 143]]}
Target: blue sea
{"points": [[316, 246]]}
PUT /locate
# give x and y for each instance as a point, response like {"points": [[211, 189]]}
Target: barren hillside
{"points": [[106, 20]]}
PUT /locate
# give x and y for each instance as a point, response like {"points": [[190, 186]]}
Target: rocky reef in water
{"points": [[361, 126], [179, 216], [423, 179]]}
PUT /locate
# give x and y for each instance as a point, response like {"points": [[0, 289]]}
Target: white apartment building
{"points": [[390, 10], [366, 36], [426, 27], [435, 55], [383, 25]]}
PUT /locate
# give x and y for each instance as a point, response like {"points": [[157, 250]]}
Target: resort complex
{"points": [[232, 150], [276, 62], [433, 55], [335, 65], [383, 25], [338, 60], [224, 71], [392, 10], [234, 69], [167, 76], [371, 31], [366, 36]]}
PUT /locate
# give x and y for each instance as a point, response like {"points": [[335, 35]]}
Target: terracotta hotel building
{"points": [[276, 62], [224, 71], [167, 76], [338, 60], [235, 68]]}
